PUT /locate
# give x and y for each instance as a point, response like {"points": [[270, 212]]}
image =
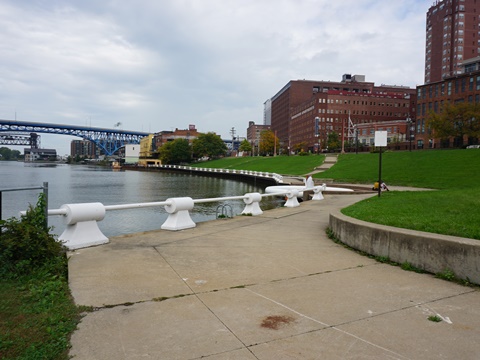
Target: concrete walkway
{"points": [[330, 160], [265, 287]]}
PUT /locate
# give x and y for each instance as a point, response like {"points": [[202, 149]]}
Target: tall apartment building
{"points": [[305, 111], [84, 148], [452, 36]]}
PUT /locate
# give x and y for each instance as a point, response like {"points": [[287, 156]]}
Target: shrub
{"points": [[446, 274], [26, 244]]}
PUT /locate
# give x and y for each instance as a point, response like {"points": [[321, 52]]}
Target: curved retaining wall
{"points": [[255, 177], [427, 251]]}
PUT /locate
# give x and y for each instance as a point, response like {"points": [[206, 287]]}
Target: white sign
{"points": [[380, 138]]}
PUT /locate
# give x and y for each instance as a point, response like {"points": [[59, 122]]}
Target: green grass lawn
{"points": [[37, 317], [449, 212], [454, 210], [441, 169], [285, 165]]}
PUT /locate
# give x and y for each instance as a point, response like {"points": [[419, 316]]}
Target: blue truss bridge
{"points": [[109, 140]]}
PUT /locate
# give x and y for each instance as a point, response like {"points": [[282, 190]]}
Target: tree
{"points": [[333, 141], [208, 145], [245, 146], [9, 154], [5, 153], [16, 154], [176, 152], [300, 147], [268, 142], [455, 120]]}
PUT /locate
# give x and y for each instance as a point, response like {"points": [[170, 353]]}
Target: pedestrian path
{"points": [[330, 160], [266, 287]]}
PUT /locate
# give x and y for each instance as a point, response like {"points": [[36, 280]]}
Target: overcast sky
{"points": [[156, 65]]}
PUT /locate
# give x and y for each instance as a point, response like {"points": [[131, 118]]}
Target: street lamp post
{"points": [[410, 131], [355, 128], [317, 132]]}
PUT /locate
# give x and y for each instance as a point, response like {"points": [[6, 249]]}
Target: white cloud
{"points": [[157, 65]]}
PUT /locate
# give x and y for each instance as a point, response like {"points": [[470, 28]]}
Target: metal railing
{"points": [[259, 174], [44, 188], [81, 219]]}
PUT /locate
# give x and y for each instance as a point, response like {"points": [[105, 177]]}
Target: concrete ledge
{"points": [[427, 251]]}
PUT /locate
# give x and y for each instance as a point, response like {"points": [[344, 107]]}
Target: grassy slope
{"points": [[286, 165], [432, 169], [37, 317], [455, 210]]}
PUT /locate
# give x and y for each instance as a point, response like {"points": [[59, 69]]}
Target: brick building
{"points": [[166, 136], [431, 97], [253, 134], [400, 133], [84, 148], [306, 111], [34, 154], [452, 36]]}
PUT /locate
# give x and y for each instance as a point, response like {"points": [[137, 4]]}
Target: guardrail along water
{"points": [[81, 220]]}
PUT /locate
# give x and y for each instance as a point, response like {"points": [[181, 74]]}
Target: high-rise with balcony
{"points": [[452, 36]]}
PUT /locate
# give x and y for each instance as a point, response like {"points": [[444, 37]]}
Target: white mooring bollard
{"points": [[317, 192], [292, 200], [252, 202], [82, 228], [179, 217]]}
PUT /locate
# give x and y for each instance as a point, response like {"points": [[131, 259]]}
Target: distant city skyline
{"points": [[155, 66]]}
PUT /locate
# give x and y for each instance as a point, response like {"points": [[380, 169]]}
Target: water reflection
{"points": [[81, 184]]}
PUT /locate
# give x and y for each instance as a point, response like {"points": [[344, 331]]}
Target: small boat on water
{"points": [[116, 165]]}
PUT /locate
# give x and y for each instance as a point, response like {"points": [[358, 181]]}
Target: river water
{"points": [[83, 184]]}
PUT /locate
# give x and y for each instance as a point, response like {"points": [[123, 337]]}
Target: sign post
{"points": [[380, 140]]}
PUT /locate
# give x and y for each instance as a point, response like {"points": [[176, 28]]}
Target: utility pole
{"points": [[232, 132], [275, 144]]}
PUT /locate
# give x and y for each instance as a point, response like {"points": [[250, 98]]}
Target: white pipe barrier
{"points": [[81, 220], [277, 177]]}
